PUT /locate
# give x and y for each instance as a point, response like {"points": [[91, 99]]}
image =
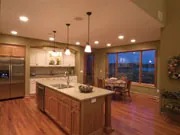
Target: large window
{"points": [[148, 66], [138, 66], [128, 65], [111, 65]]}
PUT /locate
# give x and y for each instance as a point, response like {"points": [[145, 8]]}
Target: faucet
{"points": [[68, 79]]}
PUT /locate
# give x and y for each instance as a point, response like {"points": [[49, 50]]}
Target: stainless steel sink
{"points": [[61, 86]]}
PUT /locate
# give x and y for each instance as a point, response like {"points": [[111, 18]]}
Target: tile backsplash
{"points": [[51, 70]]}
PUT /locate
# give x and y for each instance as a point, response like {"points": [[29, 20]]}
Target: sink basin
{"points": [[61, 86]]}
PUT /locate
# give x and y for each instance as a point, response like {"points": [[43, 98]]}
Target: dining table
{"points": [[113, 83]]}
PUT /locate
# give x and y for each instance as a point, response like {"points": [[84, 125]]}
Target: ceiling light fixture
{"points": [[24, 18], [108, 44], [121, 37], [78, 43], [67, 51], [88, 46], [51, 39], [133, 40], [14, 32], [96, 42], [54, 53]]}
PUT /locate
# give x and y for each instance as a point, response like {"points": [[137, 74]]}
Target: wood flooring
{"points": [[139, 117]]}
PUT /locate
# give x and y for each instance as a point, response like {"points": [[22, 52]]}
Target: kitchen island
{"points": [[78, 113]]}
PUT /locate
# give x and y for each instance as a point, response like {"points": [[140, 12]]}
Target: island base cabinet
{"points": [[75, 117]]}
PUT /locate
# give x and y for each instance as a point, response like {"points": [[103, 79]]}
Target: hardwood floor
{"points": [[140, 117]]}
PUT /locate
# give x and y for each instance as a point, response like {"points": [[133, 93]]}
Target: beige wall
{"points": [[170, 43], [28, 42], [100, 60], [152, 7]]}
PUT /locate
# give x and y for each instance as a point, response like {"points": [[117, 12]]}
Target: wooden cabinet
{"points": [[59, 107], [5, 50], [18, 51], [51, 104], [75, 122]]}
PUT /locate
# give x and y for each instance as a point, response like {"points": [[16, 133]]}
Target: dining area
{"points": [[121, 87]]}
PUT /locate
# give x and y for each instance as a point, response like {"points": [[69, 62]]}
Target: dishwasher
{"points": [[40, 97]]}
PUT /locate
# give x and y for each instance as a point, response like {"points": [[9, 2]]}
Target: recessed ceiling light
{"points": [[77, 43], [14, 32], [51, 39], [121, 37], [133, 40], [96, 42], [108, 44], [24, 18]]}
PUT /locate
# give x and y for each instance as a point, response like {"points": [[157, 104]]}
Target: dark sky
{"points": [[148, 57]]}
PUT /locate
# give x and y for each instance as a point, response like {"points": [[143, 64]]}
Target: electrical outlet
{"points": [[157, 90], [93, 100]]}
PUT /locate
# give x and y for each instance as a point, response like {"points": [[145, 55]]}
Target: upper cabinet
{"points": [[5, 50], [69, 60], [42, 57], [16, 51]]}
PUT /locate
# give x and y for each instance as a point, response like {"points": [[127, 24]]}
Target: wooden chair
{"points": [[122, 91], [100, 83]]}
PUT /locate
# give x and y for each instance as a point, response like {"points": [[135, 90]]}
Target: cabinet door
{"points": [[18, 51], [33, 53], [5, 50], [60, 117], [75, 127], [69, 60], [51, 103], [67, 118], [41, 58]]}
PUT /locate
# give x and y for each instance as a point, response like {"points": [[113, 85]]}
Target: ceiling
{"points": [[109, 19]]}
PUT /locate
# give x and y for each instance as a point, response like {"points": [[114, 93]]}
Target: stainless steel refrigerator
{"points": [[12, 77]]}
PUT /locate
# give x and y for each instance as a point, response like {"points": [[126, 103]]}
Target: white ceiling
{"points": [[109, 19]]}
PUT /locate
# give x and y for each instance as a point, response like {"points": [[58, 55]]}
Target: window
{"points": [[112, 65], [148, 66], [138, 66], [128, 65]]}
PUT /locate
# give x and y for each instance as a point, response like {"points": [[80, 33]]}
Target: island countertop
{"points": [[74, 91]]}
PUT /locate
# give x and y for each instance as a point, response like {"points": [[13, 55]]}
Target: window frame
{"points": [[140, 67]]}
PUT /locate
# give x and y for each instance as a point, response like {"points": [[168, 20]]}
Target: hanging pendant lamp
{"points": [[67, 51], [88, 46], [54, 53]]}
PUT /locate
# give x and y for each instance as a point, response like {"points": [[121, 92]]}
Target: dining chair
{"points": [[121, 91]]}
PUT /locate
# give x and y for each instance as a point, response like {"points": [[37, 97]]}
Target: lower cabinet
{"points": [[59, 108]]}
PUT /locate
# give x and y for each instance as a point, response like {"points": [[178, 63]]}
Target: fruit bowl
{"points": [[85, 88]]}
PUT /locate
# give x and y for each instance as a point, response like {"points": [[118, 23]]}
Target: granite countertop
{"points": [[48, 76], [74, 91]]}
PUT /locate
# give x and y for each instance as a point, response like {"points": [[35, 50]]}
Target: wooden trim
{"points": [[143, 85], [106, 66], [155, 69], [116, 70], [22, 45], [140, 68]]}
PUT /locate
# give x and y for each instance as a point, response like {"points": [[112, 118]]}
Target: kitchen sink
{"points": [[61, 86]]}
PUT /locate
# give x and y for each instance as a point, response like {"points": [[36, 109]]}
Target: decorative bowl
{"points": [[85, 88]]}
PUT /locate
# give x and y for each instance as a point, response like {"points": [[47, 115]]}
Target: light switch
{"points": [[93, 100]]}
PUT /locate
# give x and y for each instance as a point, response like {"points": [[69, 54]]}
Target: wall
{"points": [[152, 7], [100, 60], [170, 43], [28, 42]]}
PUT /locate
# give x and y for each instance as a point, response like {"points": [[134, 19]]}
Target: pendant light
{"points": [[88, 46], [54, 53], [67, 51]]}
